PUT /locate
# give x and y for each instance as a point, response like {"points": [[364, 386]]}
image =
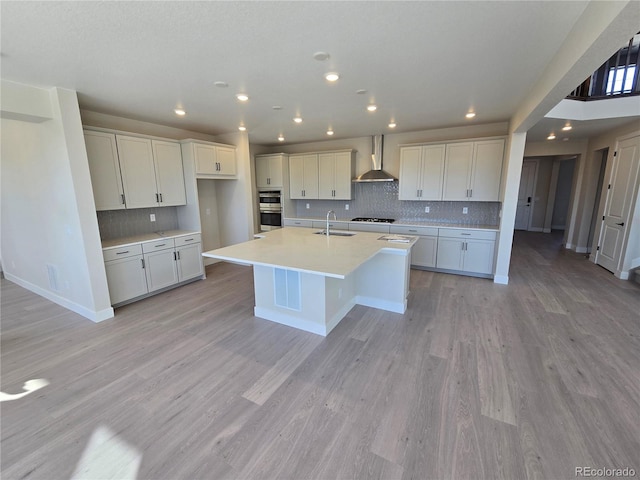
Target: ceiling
{"points": [[424, 64]]}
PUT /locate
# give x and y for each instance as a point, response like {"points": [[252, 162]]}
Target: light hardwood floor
{"points": [[476, 380]]}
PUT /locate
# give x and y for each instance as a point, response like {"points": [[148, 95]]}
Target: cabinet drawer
{"points": [[336, 225], [422, 231], [187, 239], [369, 227], [121, 252], [471, 233], [158, 245], [292, 222]]}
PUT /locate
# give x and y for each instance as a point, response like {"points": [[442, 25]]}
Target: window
{"points": [[617, 76]]}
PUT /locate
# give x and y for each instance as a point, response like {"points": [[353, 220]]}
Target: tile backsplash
{"points": [[124, 223], [381, 200]]}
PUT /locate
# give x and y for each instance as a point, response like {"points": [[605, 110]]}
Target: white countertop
{"points": [[302, 250], [145, 237], [402, 222]]}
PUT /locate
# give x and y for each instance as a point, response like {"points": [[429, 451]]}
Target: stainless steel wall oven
{"points": [[270, 207]]}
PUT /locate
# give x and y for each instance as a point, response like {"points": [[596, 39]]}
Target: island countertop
{"points": [[301, 249]]}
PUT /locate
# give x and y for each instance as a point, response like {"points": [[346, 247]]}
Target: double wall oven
{"points": [[270, 206]]}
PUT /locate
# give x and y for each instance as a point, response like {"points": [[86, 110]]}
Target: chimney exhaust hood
{"points": [[376, 174]]}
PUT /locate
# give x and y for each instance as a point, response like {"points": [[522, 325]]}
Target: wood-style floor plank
{"points": [[475, 380]]}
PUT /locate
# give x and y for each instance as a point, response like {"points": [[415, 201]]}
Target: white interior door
{"points": [[624, 175], [525, 195]]}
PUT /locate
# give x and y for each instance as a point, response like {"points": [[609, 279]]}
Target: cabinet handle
{"points": [[161, 245], [413, 230], [175, 258], [161, 198], [188, 239], [121, 253], [471, 193], [178, 252], [157, 199], [465, 234], [462, 246], [142, 260], [122, 197]]}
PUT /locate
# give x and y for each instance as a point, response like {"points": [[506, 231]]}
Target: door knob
{"points": [[620, 224]]}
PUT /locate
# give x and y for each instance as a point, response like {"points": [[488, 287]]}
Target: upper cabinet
{"points": [[461, 171], [211, 160], [303, 176], [421, 170], [104, 168], [335, 171], [134, 172], [269, 170]]}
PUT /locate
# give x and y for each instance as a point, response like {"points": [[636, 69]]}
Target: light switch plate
{"points": [[307, 206], [426, 209], [152, 217], [346, 206], [465, 210]]}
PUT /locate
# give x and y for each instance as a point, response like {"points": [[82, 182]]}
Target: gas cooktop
{"points": [[372, 219]]}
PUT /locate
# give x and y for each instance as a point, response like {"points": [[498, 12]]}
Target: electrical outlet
{"points": [[426, 209], [465, 210], [307, 206], [152, 217], [346, 206]]}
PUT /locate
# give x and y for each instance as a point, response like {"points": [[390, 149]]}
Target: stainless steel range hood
{"points": [[376, 174]]}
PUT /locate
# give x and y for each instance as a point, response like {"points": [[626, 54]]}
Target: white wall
{"points": [[48, 213]]}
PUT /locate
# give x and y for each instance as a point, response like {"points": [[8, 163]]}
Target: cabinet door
{"points": [[478, 256], [311, 176], [226, 161], [138, 174], [410, 163], [450, 253], [189, 261], [303, 176], [275, 171], [104, 168], [423, 252], [206, 162], [343, 173], [326, 176], [296, 176], [160, 267], [432, 172], [126, 278], [457, 171], [262, 172], [167, 159], [486, 171]]}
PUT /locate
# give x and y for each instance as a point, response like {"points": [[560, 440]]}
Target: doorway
{"points": [[526, 194]]}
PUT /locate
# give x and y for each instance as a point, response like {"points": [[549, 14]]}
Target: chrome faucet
{"points": [[334, 218]]}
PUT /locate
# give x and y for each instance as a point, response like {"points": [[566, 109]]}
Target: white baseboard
{"points": [[581, 249], [535, 229], [93, 315], [396, 307], [558, 227], [546, 230], [501, 279]]}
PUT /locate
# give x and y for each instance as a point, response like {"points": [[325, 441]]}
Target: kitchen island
{"points": [[310, 281]]}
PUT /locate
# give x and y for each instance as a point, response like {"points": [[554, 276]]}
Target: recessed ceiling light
{"points": [[180, 112], [298, 119], [362, 91], [567, 127], [242, 97], [329, 132], [372, 108], [221, 84], [392, 125], [242, 128], [470, 115], [332, 76], [281, 138], [277, 107], [321, 56], [551, 136]]}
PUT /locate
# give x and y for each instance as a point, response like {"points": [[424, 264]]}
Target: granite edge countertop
{"points": [[406, 222], [145, 237]]}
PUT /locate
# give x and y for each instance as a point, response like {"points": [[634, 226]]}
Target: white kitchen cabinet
{"points": [[303, 176], [469, 251], [189, 257], [138, 173], [125, 273], [423, 252], [167, 161], [104, 168], [293, 222], [473, 171], [269, 170], [421, 172], [335, 172], [211, 160], [369, 227], [160, 263]]}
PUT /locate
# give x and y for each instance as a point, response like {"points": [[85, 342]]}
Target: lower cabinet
{"points": [[423, 253], [138, 269], [466, 250], [369, 227]]}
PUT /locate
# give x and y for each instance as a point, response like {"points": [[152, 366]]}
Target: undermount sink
{"points": [[336, 233]]}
